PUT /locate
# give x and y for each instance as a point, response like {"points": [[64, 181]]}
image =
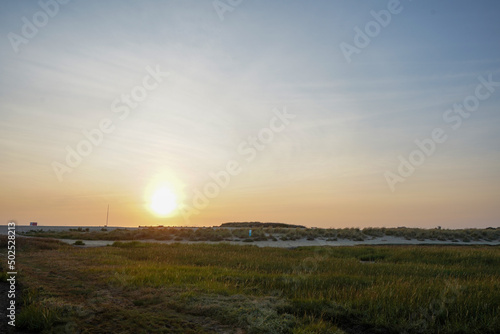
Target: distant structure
{"points": [[259, 224], [33, 224]]}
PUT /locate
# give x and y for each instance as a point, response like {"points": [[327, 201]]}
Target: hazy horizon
{"points": [[322, 114]]}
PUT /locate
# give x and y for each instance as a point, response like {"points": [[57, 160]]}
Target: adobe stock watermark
{"points": [[363, 37], [94, 137], [30, 28], [453, 117], [11, 273], [248, 150], [223, 6]]}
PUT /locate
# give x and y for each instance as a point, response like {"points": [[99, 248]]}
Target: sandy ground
{"points": [[301, 243]]}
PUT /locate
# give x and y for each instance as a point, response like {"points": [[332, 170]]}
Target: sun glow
{"points": [[164, 195], [163, 201]]}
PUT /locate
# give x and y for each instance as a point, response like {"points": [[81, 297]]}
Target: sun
{"points": [[164, 195], [163, 201]]}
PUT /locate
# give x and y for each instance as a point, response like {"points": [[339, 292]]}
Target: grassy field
{"points": [[135, 287]]}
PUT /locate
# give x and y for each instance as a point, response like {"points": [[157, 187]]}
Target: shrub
{"points": [[131, 244], [36, 318]]}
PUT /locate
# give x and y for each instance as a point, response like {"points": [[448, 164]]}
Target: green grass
{"points": [[222, 288], [271, 233], [36, 318]]}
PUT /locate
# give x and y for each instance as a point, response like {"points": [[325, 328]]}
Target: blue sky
{"points": [[326, 168]]}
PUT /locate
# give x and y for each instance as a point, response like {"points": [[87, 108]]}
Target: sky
{"points": [[195, 113]]}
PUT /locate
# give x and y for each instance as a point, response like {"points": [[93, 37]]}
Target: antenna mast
{"points": [[107, 215]]}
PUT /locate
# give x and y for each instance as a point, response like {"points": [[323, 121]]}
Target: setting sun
{"points": [[163, 201]]}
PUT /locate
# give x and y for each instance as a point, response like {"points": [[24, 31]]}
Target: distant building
{"points": [[33, 224]]}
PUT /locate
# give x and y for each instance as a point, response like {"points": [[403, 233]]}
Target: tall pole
{"points": [[107, 215]]}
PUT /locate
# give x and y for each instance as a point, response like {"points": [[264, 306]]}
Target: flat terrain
{"points": [[266, 237], [303, 242], [135, 287]]}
